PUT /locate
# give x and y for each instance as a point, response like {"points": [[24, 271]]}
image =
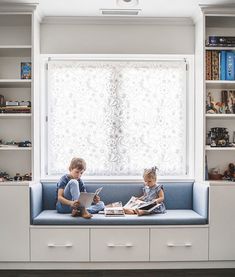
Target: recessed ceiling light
{"points": [[127, 3]]}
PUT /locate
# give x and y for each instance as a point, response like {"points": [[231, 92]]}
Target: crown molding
{"points": [[6, 7], [228, 9], [122, 20]]}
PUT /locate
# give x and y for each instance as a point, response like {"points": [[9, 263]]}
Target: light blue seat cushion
{"points": [[171, 217]]}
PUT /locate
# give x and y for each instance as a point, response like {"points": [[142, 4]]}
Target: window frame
{"points": [[190, 125]]}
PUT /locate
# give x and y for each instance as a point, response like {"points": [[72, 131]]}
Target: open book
{"points": [[86, 198], [135, 203], [114, 209]]}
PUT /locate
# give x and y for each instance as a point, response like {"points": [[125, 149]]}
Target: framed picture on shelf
{"points": [[25, 72]]}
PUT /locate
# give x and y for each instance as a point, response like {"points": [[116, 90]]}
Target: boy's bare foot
{"points": [[141, 212], [75, 212], [85, 214], [129, 211]]}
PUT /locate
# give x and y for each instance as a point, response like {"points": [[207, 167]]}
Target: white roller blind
{"points": [[119, 116]]}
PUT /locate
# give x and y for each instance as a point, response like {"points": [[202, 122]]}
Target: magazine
{"points": [[114, 209], [86, 198], [135, 203]]}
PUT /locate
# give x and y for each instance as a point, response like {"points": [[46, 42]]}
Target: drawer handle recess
{"points": [[59, 245], [187, 244], [120, 245]]}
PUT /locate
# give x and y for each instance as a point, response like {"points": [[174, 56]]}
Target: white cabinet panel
{"points": [[179, 244], [222, 223], [60, 245], [14, 218], [119, 245]]}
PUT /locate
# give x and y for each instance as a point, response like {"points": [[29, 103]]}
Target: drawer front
{"points": [[119, 245], [60, 245], [179, 244]]}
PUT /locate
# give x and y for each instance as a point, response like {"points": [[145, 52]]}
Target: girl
{"points": [[152, 191]]}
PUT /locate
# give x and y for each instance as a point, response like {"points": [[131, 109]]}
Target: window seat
{"points": [[186, 204]]}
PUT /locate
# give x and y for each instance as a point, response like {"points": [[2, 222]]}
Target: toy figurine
{"points": [[229, 174]]}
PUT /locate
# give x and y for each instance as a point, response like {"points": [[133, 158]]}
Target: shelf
{"points": [[220, 48], [15, 50], [15, 83], [15, 148], [221, 116], [209, 148], [219, 84], [15, 115], [221, 183], [12, 183]]}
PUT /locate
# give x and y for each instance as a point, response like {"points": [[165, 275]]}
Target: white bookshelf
{"points": [[218, 24], [16, 46]]}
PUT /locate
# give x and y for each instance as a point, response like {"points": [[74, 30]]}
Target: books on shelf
{"points": [[220, 65], [221, 41], [15, 109]]}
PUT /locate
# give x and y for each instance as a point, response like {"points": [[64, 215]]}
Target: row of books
{"points": [[220, 65], [15, 109]]}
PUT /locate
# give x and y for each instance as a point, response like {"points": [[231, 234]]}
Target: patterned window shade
{"points": [[119, 116]]}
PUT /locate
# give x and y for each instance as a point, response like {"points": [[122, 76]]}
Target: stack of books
{"points": [[114, 209]]}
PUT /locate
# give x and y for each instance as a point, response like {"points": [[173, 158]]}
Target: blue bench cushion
{"points": [[171, 217], [177, 195]]}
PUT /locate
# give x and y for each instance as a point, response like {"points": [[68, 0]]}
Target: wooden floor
{"points": [[120, 273]]}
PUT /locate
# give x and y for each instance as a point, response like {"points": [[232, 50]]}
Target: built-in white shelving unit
{"points": [[16, 46], [218, 24], [219, 21]]}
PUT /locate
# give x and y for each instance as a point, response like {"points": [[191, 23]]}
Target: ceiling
{"points": [[148, 8]]}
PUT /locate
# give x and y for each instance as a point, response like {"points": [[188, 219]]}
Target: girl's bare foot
{"points": [[129, 211], [141, 212]]}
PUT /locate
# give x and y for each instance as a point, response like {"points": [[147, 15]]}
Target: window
{"points": [[120, 116]]}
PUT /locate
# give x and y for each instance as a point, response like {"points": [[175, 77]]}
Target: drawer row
{"points": [[119, 244]]}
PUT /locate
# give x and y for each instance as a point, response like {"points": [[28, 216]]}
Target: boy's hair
{"points": [[151, 172], [77, 163]]}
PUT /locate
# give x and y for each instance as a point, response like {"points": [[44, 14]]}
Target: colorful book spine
{"points": [[223, 65], [215, 65], [208, 65], [230, 70]]}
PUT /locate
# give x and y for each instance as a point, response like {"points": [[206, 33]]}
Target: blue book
{"points": [[223, 65], [230, 72]]}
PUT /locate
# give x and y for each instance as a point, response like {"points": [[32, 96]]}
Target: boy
{"points": [[68, 191]]}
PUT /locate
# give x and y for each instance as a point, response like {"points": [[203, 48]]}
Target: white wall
{"points": [[159, 36]]}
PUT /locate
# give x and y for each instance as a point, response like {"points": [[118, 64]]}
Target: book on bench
{"points": [[135, 203], [114, 209], [86, 198]]}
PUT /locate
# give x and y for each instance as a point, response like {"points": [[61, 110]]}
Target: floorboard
{"points": [[120, 273]]}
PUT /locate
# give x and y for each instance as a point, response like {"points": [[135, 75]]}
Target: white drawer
{"points": [[119, 245], [179, 244], [60, 245]]}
